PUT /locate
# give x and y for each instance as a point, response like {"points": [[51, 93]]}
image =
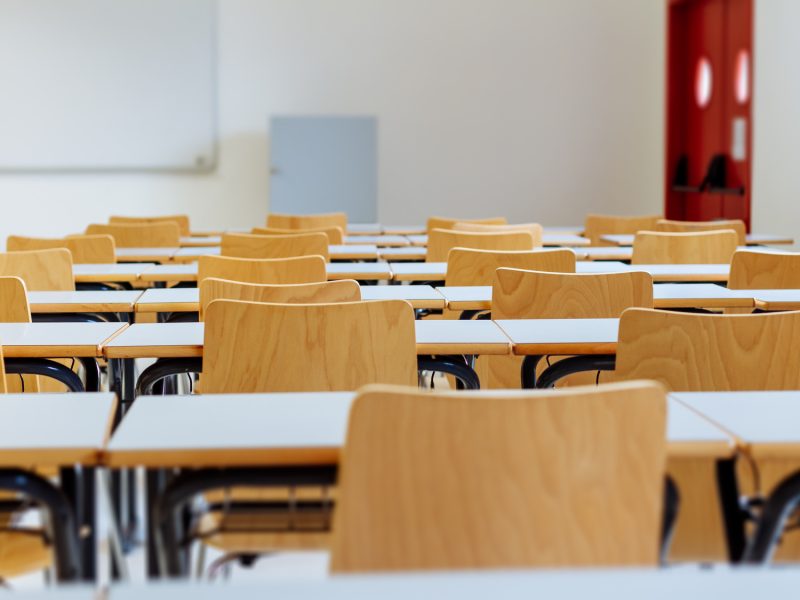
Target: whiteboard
{"points": [[107, 84]]}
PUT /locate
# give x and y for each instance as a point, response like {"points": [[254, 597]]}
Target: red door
{"points": [[709, 82]]}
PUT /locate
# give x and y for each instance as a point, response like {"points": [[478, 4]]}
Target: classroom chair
{"points": [[181, 220], [693, 226], [518, 294], [41, 270], [301, 269], [713, 247], [155, 235], [247, 245], [441, 241], [689, 352], [477, 267], [533, 228], [334, 233], [85, 249], [753, 270], [314, 221], [476, 480], [344, 290], [597, 226], [448, 223], [14, 308]]}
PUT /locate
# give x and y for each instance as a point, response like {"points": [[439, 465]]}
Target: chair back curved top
{"points": [[41, 270], [276, 271], [710, 353], [181, 220], [334, 233], [597, 226], [254, 347], [315, 221], [713, 247], [755, 270], [693, 226], [533, 228], [449, 223], [326, 292], [85, 249], [478, 480], [248, 245], [477, 267], [14, 307], [153, 235], [441, 241]]}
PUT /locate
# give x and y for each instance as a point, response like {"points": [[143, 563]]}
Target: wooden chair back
{"points": [[335, 234], [181, 220], [274, 271], [597, 226], [3, 388], [477, 267], [764, 270], [253, 347], [14, 307], [710, 353], [441, 241], [317, 221], [533, 228], [85, 249], [41, 270], [693, 226], [344, 290], [448, 223], [518, 294], [477, 480], [155, 235], [716, 247], [247, 245]]}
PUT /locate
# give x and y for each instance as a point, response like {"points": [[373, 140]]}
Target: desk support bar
{"points": [[45, 368], [575, 364]]}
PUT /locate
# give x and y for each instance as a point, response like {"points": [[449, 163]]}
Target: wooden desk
{"points": [[159, 255], [364, 229], [188, 299], [83, 301], [54, 430], [776, 299], [561, 336], [175, 273], [200, 240], [405, 230], [335, 251], [419, 239], [665, 295], [192, 253], [404, 253], [381, 241], [550, 237], [178, 340], [752, 239], [57, 340], [437, 271], [102, 273], [686, 273]]}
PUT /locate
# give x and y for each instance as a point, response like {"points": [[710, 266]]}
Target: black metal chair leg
{"points": [[575, 364], [165, 367], [780, 505], [733, 515], [452, 365], [672, 500], [92, 370], [45, 368], [528, 371]]}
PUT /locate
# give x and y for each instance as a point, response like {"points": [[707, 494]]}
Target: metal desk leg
{"points": [[780, 505], [732, 514]]}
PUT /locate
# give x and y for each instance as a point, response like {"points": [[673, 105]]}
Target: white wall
{"points": [[776, 138], [536, 109]]}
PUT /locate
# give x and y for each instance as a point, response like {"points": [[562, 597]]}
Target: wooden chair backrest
{"points": [[334, 233], [155, 235], [448, 223], [693, 226], [286, 221], [41, 270], [518, 294], [716, 247], [247, 245], [181, 220], [254, 347], [345, 290], [3, 388], [275, 271], [85, 249], [703, 352], [597, 226], [764, 270], [441, 241], [533, 228], [478, 480], [14, 307], [477, 267]]}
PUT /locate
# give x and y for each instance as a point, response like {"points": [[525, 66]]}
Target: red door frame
{"points": [[703, 178]]}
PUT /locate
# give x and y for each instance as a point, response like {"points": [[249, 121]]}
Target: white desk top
{"points": [[201, 240], [83, 301], [145, 254], [403, 253], [552, 238], [718, 273], [108, 272], [56, 340], [175, 299], [775, 299], [466, 297], [364, 229], [621, 584], [192, 252], [377, 240], [54, 429], [751, 239], [764, 421], [404, 229], [170, 272], [437, 271], [419, 239], [294, 428], [160, 340], [561, 336], [353, 251], [188, 272]]}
